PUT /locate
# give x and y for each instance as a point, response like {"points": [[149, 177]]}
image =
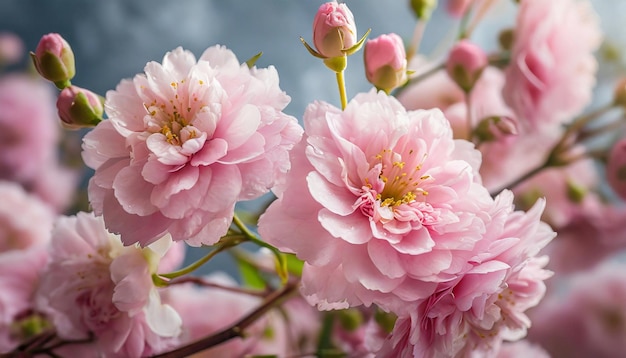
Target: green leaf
{"points": [[250, 275], [294, 264]]}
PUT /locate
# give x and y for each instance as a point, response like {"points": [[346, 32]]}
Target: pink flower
{"points": [[552, 67], [19, 276], [585, 317], [18, 213], [385, 62], [11, 48], [334, 29], [184, 142], [385, 202], [95, 285], [476, 312]]}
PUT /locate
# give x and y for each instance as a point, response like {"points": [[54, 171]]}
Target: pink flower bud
{"points": [[385, 62], [11, 48], [616, 168], [465, 64], [54, 60], [619, 95], [496, 128], [334, 29], [457, 8], [79, 107]]}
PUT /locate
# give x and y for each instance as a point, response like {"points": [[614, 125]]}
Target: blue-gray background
{"points": [[113, 39]]}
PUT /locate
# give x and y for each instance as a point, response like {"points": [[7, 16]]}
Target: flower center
{"points": [[400, 178]]}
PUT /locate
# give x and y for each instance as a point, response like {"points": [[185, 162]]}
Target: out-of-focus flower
{"points": [[457, 8], [487, 305], [20, 276], [495, 128], [385, 62], [93, 284], [466, 63], [521, 349], [385, 202], [79, 107], [11, 48], [334, 30], [28, 141], [184, 142], [54, 60], [586, 316], [552, 68], [616, 168], [18, 213]]}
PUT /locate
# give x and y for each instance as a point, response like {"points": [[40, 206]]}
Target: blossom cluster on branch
{"points": [[428, 216]]}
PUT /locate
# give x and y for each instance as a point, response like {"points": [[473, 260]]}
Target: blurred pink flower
{"points": [[93, 284], [586, 317], [476, 312], [521, 349], [184, 142], [616, 168], [18, 211], [334, 29], [385, 202], [11, 48], [19, 276], [552, 68]]}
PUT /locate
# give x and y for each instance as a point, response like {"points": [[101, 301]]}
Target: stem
{"points": [[236, 330], [468, 105], [342, 89], [524, 177], [218, 248], [579, 123], [199, 281], [418, 33], [482, 10]]}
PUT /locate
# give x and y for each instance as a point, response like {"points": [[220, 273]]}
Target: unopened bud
{"points": [[423, 8], [334, 30], [79, 108], [619, 95], [465, 64], [385, 62], [506, 38], [458, 8], [11, 48], [54, 60], [616, 168], [495, 128]]}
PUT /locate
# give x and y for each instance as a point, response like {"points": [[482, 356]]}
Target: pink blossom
{"points": [[28, 141], [521, 349], [585, 317], [385, 62], [94, 284], [184, 142], [11, 48], [616, 168], [18, 212], [552, 67], [385, 202], [19, 277], [334, 29], [476, 312]]}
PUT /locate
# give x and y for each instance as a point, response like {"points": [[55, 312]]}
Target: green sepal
{"points": [[337, 64], [252, 60], [357, 46], [311, 50]]}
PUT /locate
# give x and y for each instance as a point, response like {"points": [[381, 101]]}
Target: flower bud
{"points": [[385, 62], [458, 8], [616, 168], [423, 8], [334, 30], [465, 64], [619, 95], [11, 48], [79, 107], [54, 60], [495, 128]]}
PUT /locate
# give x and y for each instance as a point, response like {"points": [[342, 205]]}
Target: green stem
{"points": [[342, 89], [221, 246]]}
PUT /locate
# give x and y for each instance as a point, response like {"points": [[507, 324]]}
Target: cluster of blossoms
{"points": [[418, 219]]}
